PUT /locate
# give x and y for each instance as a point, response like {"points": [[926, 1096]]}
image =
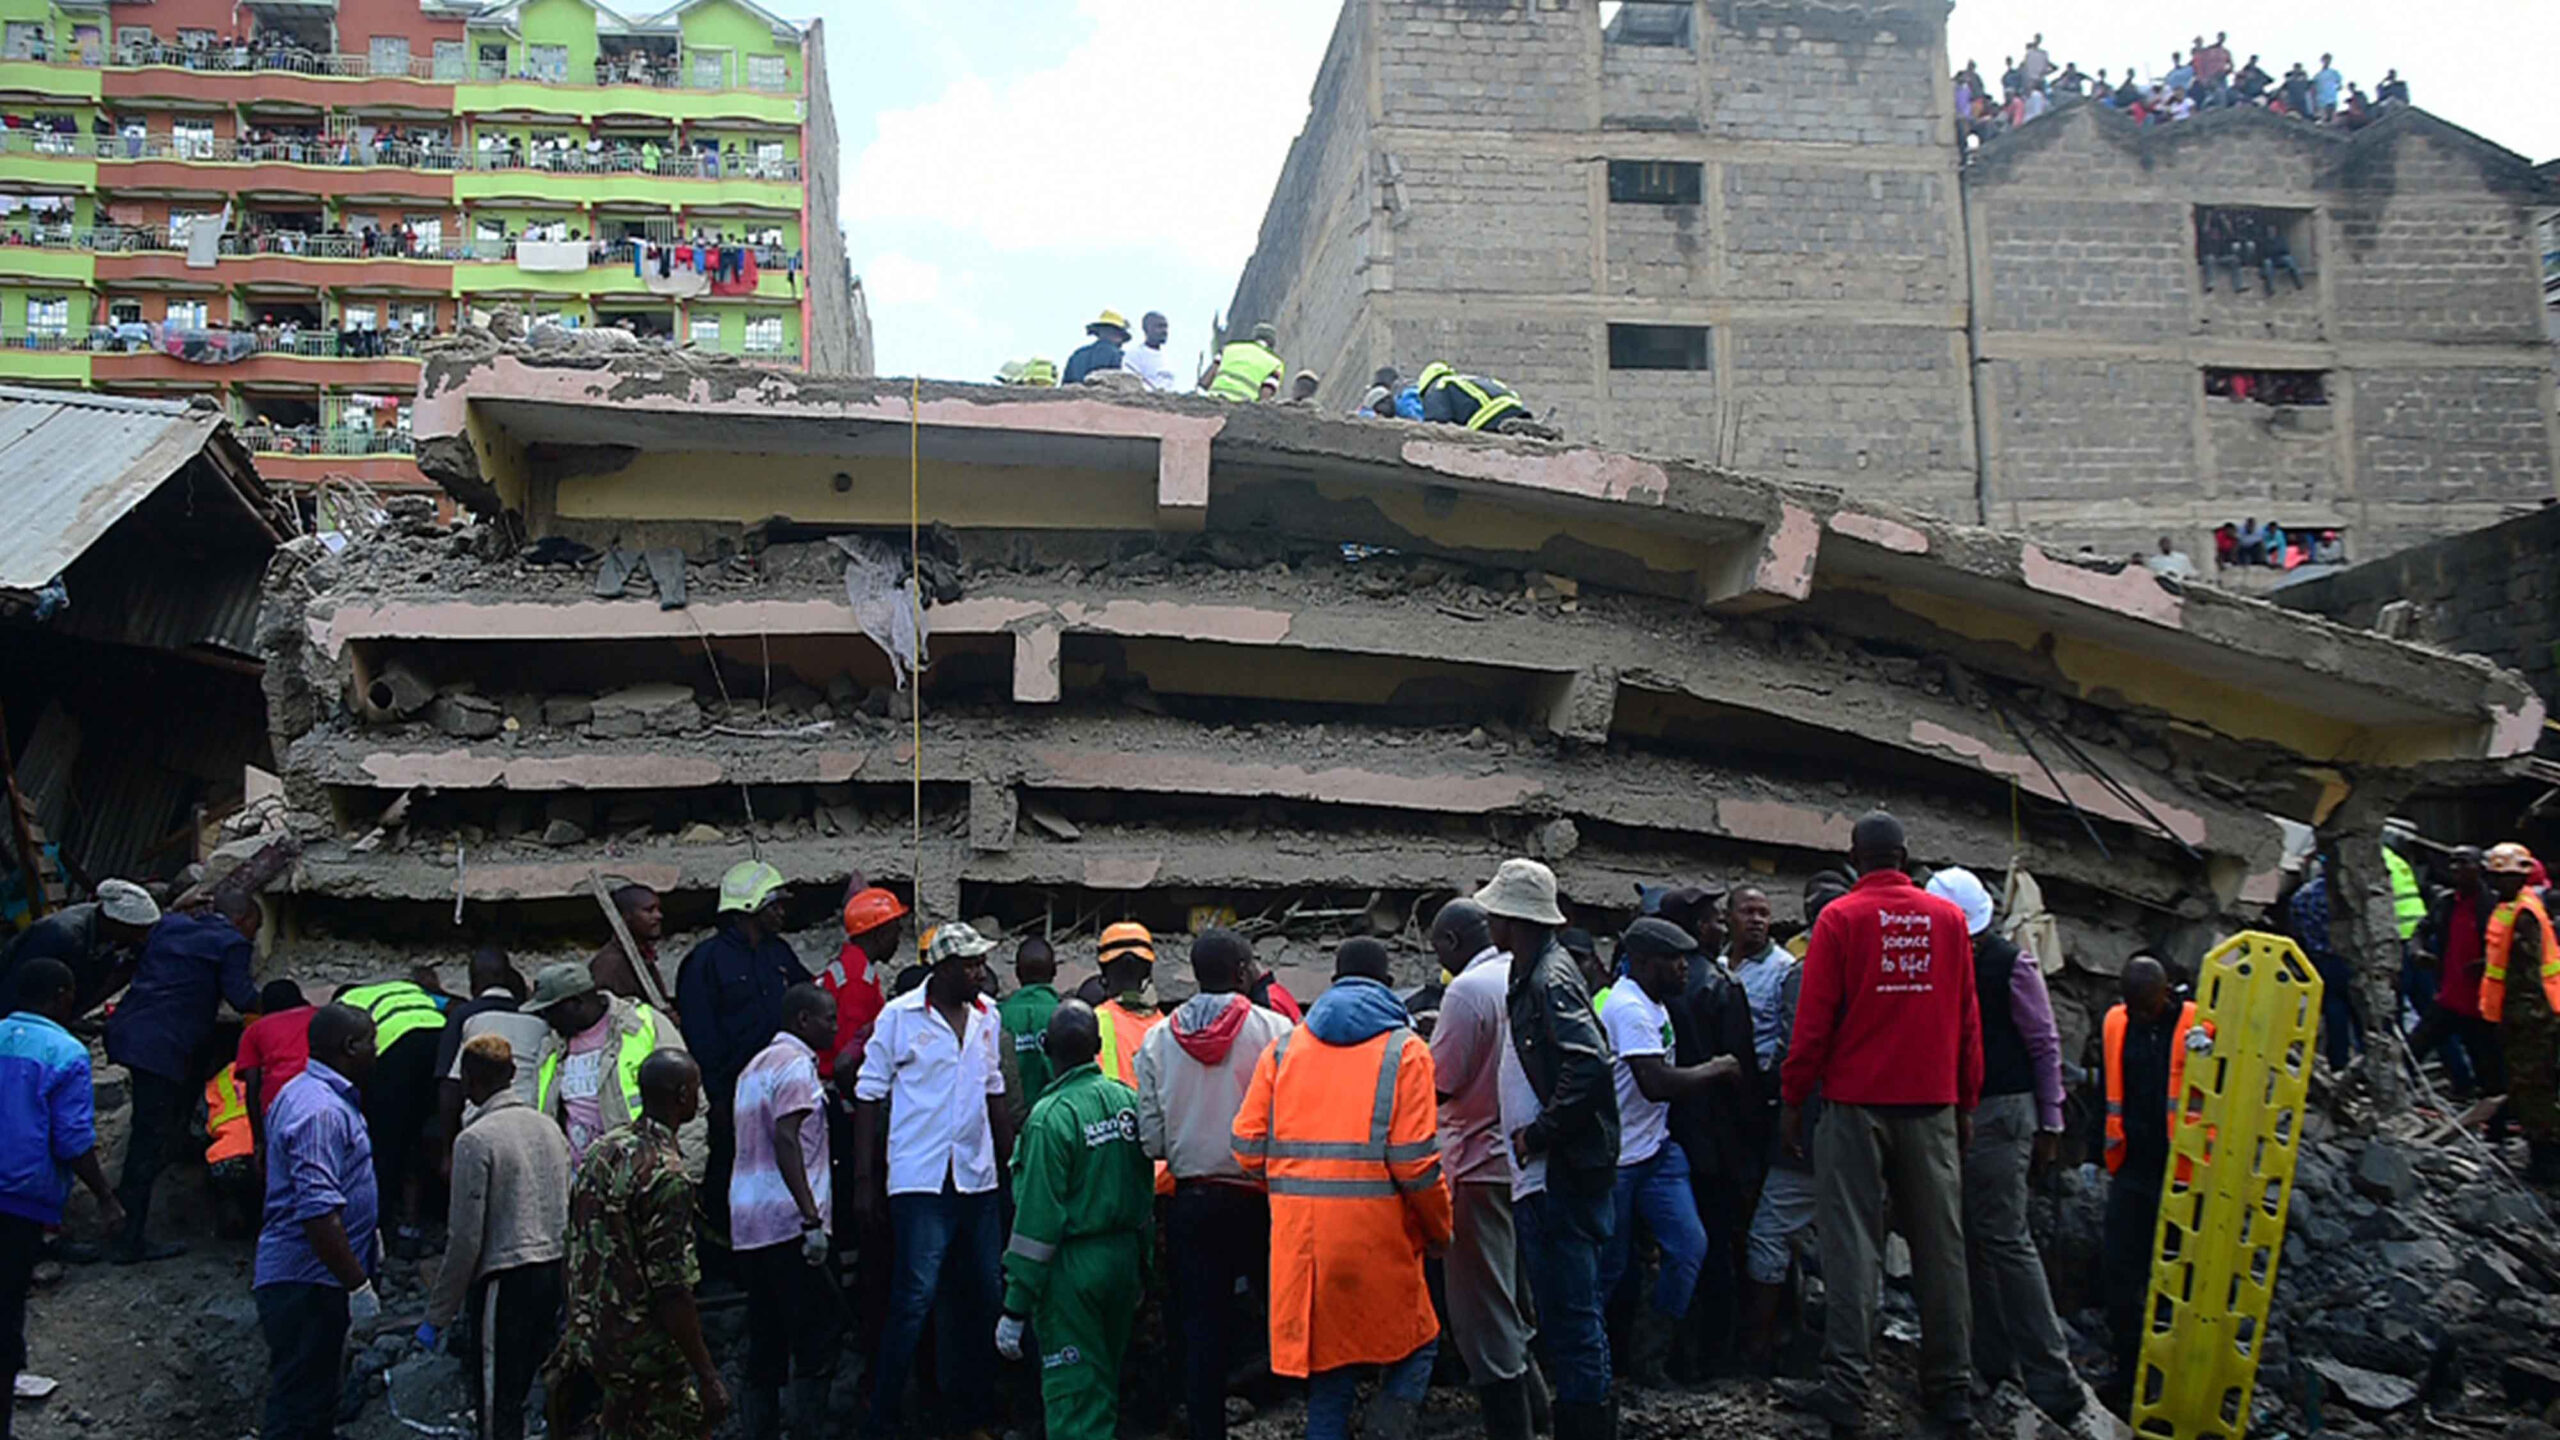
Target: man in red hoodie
{"points": [[1887, 1027]]}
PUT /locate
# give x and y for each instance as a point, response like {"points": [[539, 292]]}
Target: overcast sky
{"points": [[1013, 166]]}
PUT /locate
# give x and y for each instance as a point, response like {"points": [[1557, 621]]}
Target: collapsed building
{"points": [[1749, 231], [1186, 659]]}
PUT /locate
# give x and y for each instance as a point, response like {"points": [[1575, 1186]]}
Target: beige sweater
{"points": [[510, 1200]]}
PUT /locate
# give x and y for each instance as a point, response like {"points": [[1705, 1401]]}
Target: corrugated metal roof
{"points": [[72, 464]]}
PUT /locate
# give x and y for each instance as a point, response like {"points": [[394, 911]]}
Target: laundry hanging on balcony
{"points": [[207, 347], [551, 256], [204, 240], [733, 270], [668, 269]]}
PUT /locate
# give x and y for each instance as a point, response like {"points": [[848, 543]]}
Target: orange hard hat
{"points": [[870, 909], [2509, 858], [1127, 938]]}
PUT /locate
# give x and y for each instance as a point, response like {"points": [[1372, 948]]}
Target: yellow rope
{"points": [[915, 594]]}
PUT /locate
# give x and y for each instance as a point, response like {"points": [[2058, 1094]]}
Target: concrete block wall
{"points": [[1883, 407], [1489, 218], [1648, 87], [1823, 231], [2493, 591], [1453, 64], [1824, 75], [2419, 305]]}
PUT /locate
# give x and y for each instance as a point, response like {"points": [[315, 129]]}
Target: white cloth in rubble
{"points": [[2030, 926], [884, 604]]}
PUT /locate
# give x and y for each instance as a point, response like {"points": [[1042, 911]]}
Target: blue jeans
{"points": [[1561, 1237], [943, 1263], [306, 1330], [1659, 1190], [1330, 1392]]}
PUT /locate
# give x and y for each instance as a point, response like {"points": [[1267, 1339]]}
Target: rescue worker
{"points": [[729, 997], [400, 1094], [2146, 1040], [1129, 1008], [2522, 950], [99, 940], [1247, 370], [1026, 1013], [230, 1155], [1037, 373], [1075, 1270], [588, 1078], [1449, 398], [1110, 335], [1342, 1126], [873, 921], [632, 1342], [2017, 1132]]}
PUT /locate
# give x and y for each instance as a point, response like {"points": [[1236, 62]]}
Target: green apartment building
{"points": [[273, 202]]}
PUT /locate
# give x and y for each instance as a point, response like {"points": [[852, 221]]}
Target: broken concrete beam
{"points": [[397, 689], [994, 811], [567, 712], [653, 709], [467, 717], [1581, 705], [523, 712]]}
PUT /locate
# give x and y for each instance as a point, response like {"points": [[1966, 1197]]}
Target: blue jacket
{"points": [[194, 961], [1097, 354], [730, 995], [48, 1115]]}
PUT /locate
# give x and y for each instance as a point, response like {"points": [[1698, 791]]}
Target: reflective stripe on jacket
{"points": [[398, 1008], [1346, 1138], [1243, 368], [2118, 1022], [1492, 398], [2501, 942], [1123, 1031], [226, 1118]]}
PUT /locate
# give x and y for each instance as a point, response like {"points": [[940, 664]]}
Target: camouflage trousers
{"points": [[664, 1406], [2532, 1041]]}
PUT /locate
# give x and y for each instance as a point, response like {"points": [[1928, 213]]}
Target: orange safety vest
{"points": [[1346, 1139], [2501, 939], [226, 1118], [2118, 1021], [1123, 1030]]}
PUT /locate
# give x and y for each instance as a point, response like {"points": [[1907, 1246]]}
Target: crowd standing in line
{"points": [[1081, 1189], [2197, 78]]}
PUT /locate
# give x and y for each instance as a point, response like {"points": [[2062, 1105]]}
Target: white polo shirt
{"points": [[937, 1085], [1153, 366]]}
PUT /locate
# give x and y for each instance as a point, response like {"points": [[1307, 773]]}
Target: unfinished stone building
{"points": [[1191, 658], [2399, 390], [1743, 231]]}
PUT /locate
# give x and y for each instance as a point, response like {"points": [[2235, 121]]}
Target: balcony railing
{"points": [[326, 440], [328, 245], [139, 338], [678, 73], [348, 153]]}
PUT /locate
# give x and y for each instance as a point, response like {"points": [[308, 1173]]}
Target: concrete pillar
{"points": [[2361, 928], [994, 811]]}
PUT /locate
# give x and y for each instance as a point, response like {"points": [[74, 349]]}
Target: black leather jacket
{"points": [[1566, 1057]]}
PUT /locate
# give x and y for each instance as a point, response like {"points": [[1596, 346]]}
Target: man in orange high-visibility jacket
{"points": [[2520, 994], [1126, 1004], [2146, 1064], [1341, 1122]]}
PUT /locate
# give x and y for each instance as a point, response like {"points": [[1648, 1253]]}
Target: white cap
{"points": [[1522, 890], [1966, 891], [127, 903]]}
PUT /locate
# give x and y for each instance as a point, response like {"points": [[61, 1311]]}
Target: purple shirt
{"points": [[781, 1080], [319, 1162], [2031, 1010]]}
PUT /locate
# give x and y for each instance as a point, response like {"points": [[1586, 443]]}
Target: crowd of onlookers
{"points": [[2202, 78]]}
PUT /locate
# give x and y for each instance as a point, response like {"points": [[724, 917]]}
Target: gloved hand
{"points": [[813, 1246], [1009, 1336], [426, 1337], [364, 1308]]}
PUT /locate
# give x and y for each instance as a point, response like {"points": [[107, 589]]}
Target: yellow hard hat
{"points": [[748, 887], [1112, 318]]}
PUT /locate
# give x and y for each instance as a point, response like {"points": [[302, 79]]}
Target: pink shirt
{"points": [[781, 1080], [586, 1067]]}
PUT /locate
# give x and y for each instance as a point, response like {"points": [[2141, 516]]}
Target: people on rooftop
{"points": [[2197, 78]]}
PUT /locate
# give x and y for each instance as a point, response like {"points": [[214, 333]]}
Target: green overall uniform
{"points": [[1025, 1015], [1083, 1197]]}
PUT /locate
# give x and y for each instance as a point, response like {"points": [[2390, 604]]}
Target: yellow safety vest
{"points": [[637, 1046], [398, 1008], [226, 1118], [1242, 369], [2408, 903], [1493, 399]]}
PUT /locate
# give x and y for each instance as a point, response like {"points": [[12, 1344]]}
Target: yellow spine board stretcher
{"points": [[2230, 1176]]}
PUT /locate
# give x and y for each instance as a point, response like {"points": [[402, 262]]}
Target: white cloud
{"points": [[895, 279], [1163, 130]]}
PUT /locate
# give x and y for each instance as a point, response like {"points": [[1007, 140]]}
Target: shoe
{"points": [[1649, 1349], [1390, 1417], [1953, 1413], [1505, 1404], [1760, 1305], [1817, 1398], [145, 1252], [78, 1252]]}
